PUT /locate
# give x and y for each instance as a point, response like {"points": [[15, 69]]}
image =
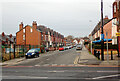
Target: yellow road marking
{"points": [[76, 60]]}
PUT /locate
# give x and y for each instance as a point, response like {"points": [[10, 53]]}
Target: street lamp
{"points": [[91, 37]]}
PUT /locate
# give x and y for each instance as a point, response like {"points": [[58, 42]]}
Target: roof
{"points": [[98, 26], [42, 28], [3, 38]]}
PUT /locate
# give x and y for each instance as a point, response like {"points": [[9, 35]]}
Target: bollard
{"points": [[98, 55], [94, 52], [14, 51], [111, 55]]}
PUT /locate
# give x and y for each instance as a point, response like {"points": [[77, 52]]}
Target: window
{"points": [[45, 37], [41, 36], [31, 30], [23, 30], [23, 37], [115, 9]]}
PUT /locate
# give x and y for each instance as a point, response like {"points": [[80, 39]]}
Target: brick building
{"points": [[38, 35], [116, 14]]}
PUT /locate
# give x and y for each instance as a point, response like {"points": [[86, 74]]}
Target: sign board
{"points": [[117, 34], [102, 36]]}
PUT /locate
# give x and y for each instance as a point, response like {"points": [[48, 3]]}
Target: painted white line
{"points": [[57, 71], [29, 77], [106, 76], [54, 64], [107, 71], [62, 64], [37, 65]]}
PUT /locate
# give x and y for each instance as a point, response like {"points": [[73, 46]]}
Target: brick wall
{"points": [[34, 37], [108, 28], [19, 38]]}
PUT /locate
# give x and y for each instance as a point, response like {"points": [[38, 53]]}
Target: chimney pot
{"points": [[106, 17], [21, 26], [34, 24]]}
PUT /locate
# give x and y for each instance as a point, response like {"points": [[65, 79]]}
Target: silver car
{"points": [[79, 47]]}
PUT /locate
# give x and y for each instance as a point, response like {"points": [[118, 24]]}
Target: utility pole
{"points": [[102, 33]]}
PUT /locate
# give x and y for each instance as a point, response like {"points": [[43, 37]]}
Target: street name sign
{"points": [[117, 34]]}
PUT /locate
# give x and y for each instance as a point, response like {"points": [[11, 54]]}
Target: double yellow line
{"points": [[76, 60]]}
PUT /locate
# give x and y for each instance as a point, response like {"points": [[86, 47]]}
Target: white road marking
{"points": [[62, 64], [24, 77], [57, 71], [54, 64], [37, 65], [107, 71], [106, 76]]}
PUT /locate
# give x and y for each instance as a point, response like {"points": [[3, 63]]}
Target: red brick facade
{"points": [[38, 35]]}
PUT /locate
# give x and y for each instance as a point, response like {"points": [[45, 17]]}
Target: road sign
{"points": [[102, 36], [117, 34]]}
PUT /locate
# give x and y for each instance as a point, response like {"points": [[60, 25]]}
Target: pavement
{"points": [[88, 59], [12, 62]]}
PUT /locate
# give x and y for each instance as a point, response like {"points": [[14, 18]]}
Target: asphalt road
{"points": [[58, 65]]}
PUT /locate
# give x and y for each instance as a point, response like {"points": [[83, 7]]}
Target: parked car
{"points": [[70, 47], [66, 48], [79, 47], [32, 53], [61, 48]]}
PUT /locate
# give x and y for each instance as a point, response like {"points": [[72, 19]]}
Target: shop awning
{"points": [[99, 41]]}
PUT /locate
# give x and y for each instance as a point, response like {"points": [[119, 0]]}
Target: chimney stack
{"points": [[106, 17], [34, 24], [21, 26]]}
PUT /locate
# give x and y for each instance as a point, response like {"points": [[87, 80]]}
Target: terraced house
{"points": [[38, 35], [110, 30]]}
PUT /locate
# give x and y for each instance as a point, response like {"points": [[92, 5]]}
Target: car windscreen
{"points": [[32, 50], [78, 45]]}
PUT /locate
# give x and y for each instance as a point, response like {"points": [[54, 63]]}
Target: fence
{"points": [[16, 51]]}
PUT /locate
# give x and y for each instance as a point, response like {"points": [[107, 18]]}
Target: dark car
{"points": [[79, 47], [32, 53]]}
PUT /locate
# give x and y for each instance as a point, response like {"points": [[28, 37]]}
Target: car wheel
{"points": [[38, 55], [26, 57]]}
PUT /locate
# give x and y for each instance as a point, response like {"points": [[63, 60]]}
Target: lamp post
{"points": [[91, 38], [102, 33], [107, 47]]}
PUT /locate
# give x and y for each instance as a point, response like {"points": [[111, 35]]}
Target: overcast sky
{"points": [[68, 17]]}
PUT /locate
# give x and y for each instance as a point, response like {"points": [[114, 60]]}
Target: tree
{"points": [[70, 37]]}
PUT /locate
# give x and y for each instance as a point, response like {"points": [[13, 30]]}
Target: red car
{"points": [[61, 49]]}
